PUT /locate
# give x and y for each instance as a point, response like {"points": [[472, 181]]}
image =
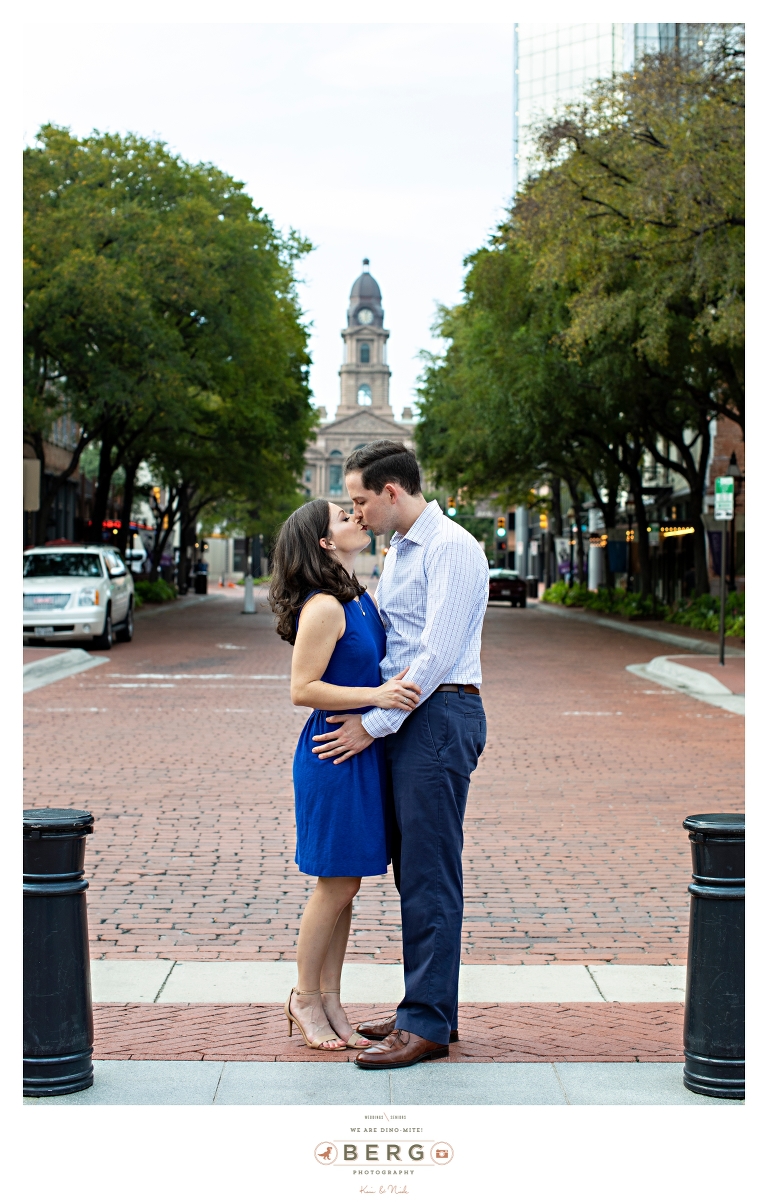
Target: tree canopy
{"points": [[602, 327], [161, 314]]}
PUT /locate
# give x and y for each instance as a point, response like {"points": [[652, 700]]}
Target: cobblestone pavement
{"points": [[181, 746], [503, 1033]]}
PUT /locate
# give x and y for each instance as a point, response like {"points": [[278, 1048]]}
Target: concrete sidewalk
{"points": [[212, 1083], [240, 981], [58, 665], [700, 677], [660, 632], [233, 1011]]}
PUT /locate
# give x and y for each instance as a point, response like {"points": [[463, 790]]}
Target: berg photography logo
{"points": [[391, 1149]]}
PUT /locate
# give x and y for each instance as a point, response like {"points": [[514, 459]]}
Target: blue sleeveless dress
{"points": [[340, 808]]}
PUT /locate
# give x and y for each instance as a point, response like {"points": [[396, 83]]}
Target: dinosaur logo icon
{"points": [[325, 1153]]}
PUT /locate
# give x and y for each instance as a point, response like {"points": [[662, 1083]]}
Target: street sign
{"points": [[653, 534], [723, 498], [724, 491]]}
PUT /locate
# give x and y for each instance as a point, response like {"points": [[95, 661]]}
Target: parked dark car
{"points": [[506, 585]]}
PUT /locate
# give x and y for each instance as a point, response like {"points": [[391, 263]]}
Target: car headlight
{"points": [[88, 596]]}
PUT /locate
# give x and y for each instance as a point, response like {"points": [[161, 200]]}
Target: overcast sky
{"points": [[387, 141]]}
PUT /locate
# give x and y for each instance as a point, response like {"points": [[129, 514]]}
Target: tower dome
{"points": [[365, 301]]}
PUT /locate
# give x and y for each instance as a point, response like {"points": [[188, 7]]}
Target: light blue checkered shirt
{"points": [[432, 598]]}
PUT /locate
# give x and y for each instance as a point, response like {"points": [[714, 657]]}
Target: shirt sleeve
{"points": [[455, 584]]}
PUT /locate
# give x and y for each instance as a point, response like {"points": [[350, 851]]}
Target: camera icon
{"points": [[441, 1153]]}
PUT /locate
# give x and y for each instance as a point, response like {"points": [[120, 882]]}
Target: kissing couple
{"points": [[398, 680]]}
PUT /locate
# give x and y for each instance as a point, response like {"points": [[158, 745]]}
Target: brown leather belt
{"points": [[454, 688]]}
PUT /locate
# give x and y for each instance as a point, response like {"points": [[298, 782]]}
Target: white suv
{"points": [[77, 594]]}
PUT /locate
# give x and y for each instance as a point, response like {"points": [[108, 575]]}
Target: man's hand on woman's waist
{"points": [[349, 739]]}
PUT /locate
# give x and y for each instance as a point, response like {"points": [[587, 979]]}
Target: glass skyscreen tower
{"points": [[555, 64]]}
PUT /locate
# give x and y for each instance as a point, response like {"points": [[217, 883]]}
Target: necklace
{"points": [[359, 602]]}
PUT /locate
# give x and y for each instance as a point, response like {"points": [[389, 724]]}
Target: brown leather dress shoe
{"points": [[401, 1049], [382, 1027]]}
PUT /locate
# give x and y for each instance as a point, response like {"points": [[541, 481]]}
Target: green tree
{"points": [[603, 324], [505, 409], [639, 211], [161, 314]]}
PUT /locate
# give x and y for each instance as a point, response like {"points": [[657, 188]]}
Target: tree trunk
{"points": [[547, 544], [700, 564], [608, 510], [644, 546], [103, 483], [634, 475], [696, 476], [183, 527], [693, 467], [609, 518], [163, 534], [157, 551], [557, 508], [186, 535], [577, 523], [131, 469]]}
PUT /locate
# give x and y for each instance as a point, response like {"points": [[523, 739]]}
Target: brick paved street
{"points": [[181, 746], [501, 1033]]}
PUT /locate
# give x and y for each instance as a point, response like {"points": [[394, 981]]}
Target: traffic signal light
{"points": [[501, 528], [451, 507], [543, 521]]}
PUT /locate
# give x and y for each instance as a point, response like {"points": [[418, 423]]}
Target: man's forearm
{"points": [[428, 671]]}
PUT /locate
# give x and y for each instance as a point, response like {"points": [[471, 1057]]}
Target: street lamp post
{"points": [[733, 470], [724, 511]]}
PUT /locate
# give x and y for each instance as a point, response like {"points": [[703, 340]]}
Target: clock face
{"points": [[365, 317]]}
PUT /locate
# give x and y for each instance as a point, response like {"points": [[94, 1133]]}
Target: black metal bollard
{"points": [[58, 1016], [713, 1036]]}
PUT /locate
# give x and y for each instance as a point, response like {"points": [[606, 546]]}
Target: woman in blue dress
{"points": [[341, 835]]}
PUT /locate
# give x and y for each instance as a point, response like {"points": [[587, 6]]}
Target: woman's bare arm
{"points": [[321, 626]]}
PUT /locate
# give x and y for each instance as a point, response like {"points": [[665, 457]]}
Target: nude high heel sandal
{"points": [[316, 1044], [356, 1040]]}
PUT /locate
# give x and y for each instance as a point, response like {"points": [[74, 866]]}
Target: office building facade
{"points": [[555, 64]]}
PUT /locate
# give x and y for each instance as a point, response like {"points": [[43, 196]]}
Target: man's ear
{"points": [[392, 490]]}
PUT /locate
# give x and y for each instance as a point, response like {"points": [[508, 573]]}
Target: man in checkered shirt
{"points": [[432, 598]]}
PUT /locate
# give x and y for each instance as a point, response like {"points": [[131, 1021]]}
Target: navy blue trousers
{"points": [[430, 760]]}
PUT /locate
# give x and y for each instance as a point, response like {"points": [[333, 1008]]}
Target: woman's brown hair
{"points": [[300, 566]]}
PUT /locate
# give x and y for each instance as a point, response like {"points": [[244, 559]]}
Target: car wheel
{"points": [[103, 641], [125, 632]]}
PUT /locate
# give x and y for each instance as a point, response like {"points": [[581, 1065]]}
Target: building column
{"points": [[521, 541]]}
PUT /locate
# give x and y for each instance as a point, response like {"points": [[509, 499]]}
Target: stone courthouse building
{"points": [[364, 411]]}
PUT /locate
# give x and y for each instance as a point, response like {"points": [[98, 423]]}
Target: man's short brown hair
{"points": [[384, 462]]}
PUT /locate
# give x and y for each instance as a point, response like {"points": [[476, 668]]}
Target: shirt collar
{"points": [[423, 529]]}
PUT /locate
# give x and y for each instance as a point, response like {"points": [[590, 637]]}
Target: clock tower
{"points": [[364, 413], [364, 372]]}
